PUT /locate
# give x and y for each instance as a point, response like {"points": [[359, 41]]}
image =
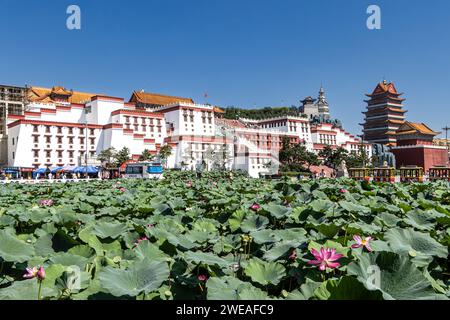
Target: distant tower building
{"points": [[322, 104], [384, 115], [311, 108], [308, 107]]}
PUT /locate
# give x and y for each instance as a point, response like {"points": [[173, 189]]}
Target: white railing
{"points": [[42, 181], [185, 104]]}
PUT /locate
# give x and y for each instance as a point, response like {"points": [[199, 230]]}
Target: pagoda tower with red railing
{"points": [[384, 115]]}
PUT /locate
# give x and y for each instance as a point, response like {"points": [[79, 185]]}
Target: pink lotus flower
{"points": [[255, 206], [293, 255], [41, 273], [122, 189], [343, 190], [31, 273], [326, 258], [136, 243], [46, 202], [360, 242], [202, 277], [189, 184]]}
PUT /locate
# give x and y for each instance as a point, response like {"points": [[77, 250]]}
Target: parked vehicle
{"points": [[152, 170]]}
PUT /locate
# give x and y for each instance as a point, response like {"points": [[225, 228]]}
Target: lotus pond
{"points": [[222, 237]]}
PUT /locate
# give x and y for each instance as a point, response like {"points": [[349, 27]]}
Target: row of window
{"points": [[274, 125], [143, 128], [327, 139], [48, 139], [205, 146], [59, 130], [259, 160], [59, 153], [257, 137], [143, 120]]}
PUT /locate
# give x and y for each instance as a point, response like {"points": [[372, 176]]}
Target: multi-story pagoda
{"points": [[384, 114]]}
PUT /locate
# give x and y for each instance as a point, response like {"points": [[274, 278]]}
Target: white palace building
{"points": [[57, 127]]}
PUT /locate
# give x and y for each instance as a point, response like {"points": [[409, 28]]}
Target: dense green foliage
{"points": [[296, 157], [262, 113], [333, 157], [199, 239]]}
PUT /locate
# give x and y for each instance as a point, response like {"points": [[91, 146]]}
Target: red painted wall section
{"points": [[421, 157], [410, 142]]}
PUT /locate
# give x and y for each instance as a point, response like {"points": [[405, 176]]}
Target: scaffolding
{"points": [[13, 101]]}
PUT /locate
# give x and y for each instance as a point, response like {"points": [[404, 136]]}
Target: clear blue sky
{"points": [[244, 53]]}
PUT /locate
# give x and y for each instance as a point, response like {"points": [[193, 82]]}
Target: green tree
{"points": [[333, 157], [296, 156], [146, 156], [359, 159], [107, 156], [164, 153], [122, 156]]}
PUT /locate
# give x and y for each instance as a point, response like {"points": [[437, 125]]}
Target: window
{"points": [[48, 153], [136, 127], [36, 153], [35, 128], [59, 130], [127, 119], [159, 129], [70, 130], [59, 154], [135, 120], [92, 140], [13, 141], [14, 155], [151, 129], [159, 122], [92, 154], [36, 139], [92, 132], [48, 139], [47, 129], [71, 140], [59, 140], [81, 131], [81, 141], [70, 154], [143, 120]]}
